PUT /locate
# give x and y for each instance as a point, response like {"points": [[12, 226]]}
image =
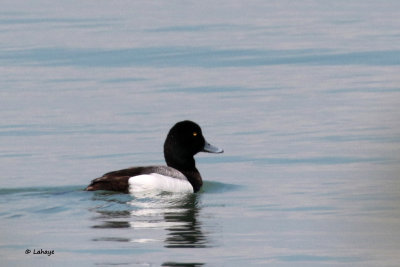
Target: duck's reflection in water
{"points": [[187, 230], [175, 213]]}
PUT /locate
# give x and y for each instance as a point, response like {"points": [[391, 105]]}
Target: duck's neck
{"points": [[188, 168]]}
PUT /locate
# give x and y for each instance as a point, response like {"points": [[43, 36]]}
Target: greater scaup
{"points": [[183, 141]]}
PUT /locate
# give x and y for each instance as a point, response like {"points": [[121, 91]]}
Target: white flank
{"points": [[158, 182]]}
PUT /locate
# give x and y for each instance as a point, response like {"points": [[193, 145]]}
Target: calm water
{"points": [[304, 97]]}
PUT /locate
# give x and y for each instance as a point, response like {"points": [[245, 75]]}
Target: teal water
{"points": [[304, 98]]}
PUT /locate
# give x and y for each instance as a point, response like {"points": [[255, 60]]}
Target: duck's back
{"points": [[135, 179]]}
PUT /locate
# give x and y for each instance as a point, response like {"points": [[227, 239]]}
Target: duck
{"points": [[184, 140]]}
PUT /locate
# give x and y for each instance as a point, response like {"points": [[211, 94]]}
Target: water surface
{"points": [[303, 97]]}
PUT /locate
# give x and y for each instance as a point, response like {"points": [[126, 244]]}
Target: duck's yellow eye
{"points": [[194, 133]]}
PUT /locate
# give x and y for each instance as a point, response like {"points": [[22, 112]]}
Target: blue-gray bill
{"points": [[212, 149]]}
